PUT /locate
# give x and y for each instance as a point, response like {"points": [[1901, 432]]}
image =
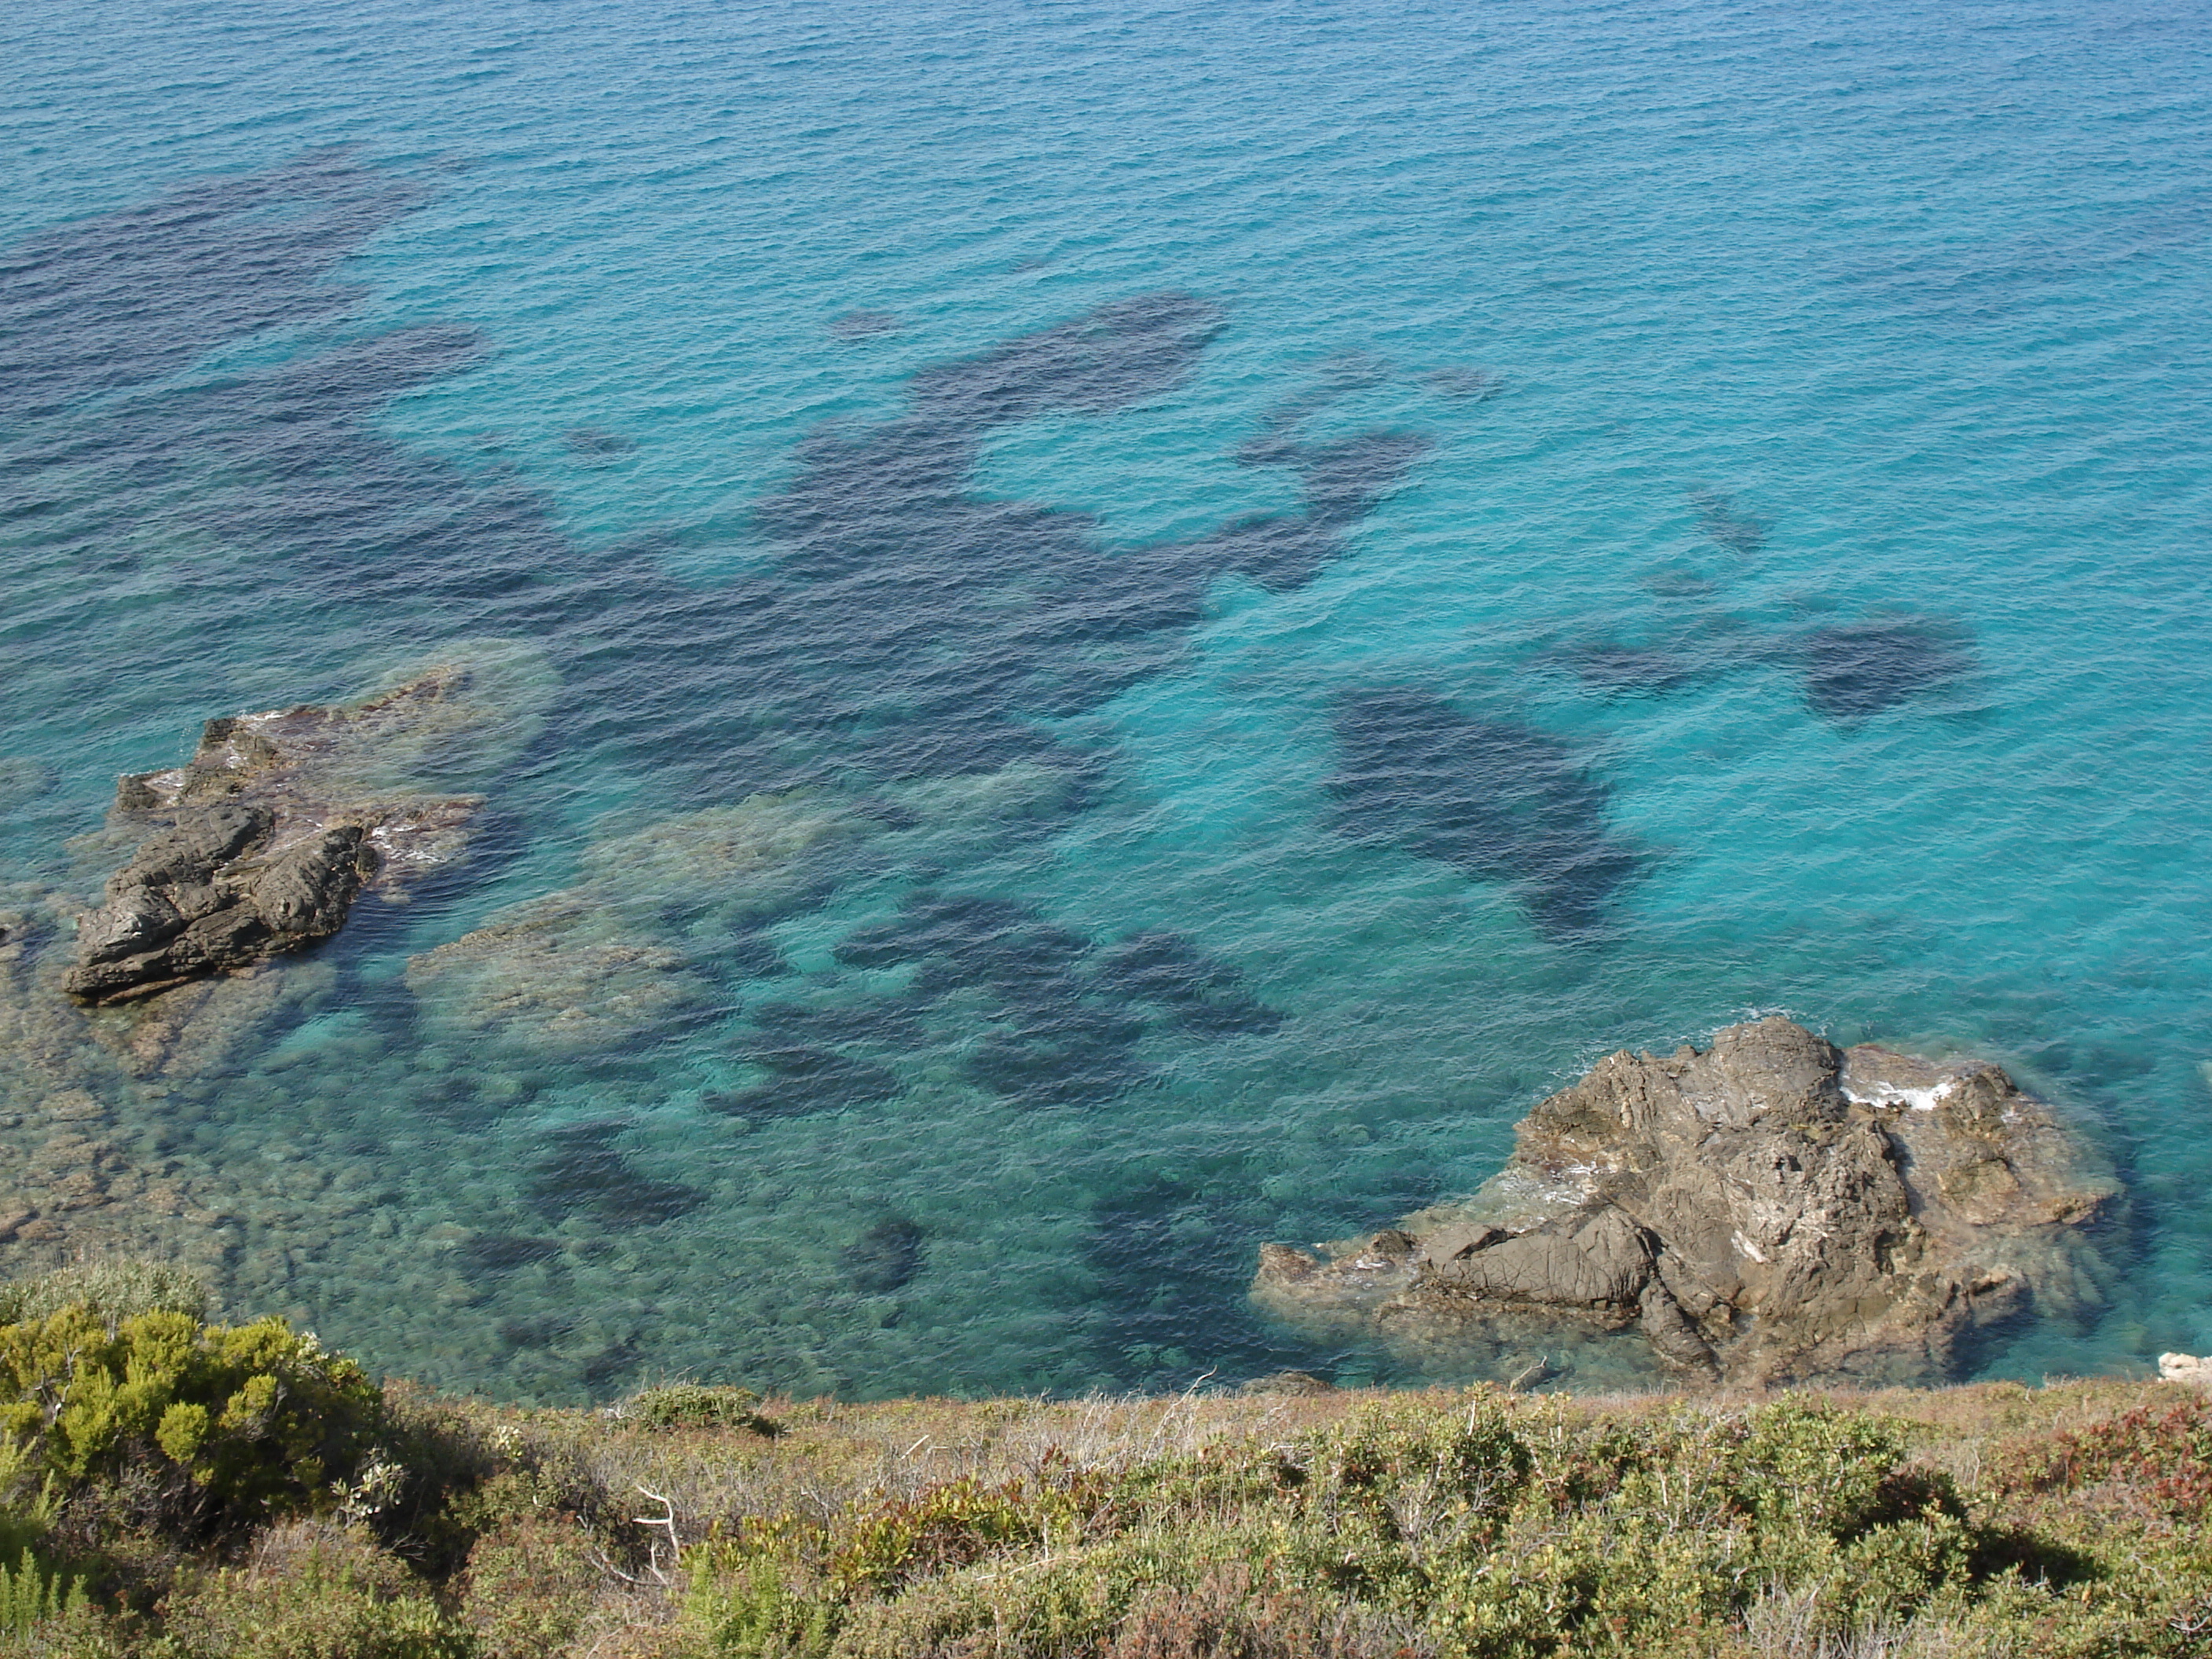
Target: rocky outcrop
{"points": [[1771, 1209], [2186, 1368], [259, 845]]}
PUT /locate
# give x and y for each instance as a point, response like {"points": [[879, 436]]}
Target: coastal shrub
{"points": [[1233, 1612], [528, 1588], [159, 1418], [1836, 1472], [111, 1289], [312, 1589], [435, 1457], [1468, 1525], [942, 1528], [698, 1406], [2155, 1458]]}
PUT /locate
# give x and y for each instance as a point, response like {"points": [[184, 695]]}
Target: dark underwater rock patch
{"points": [[1061, 1029], [22, 779], [128, 297], [1635, 670], [1201, 993], [804, 1082], [596, 441], [1496, 799], [1865, 668], [1046, 1043], [1161, 1249], [1060, 1052], [891, 1022], [584, 1172], [502, 1253], [1466, 384], [863, 325], [1724, 524], [884, 1258]]}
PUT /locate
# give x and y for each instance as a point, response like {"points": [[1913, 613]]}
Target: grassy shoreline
{"points": [[181, 1490]]}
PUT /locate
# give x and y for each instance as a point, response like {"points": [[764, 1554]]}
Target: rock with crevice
{"points": [[1771, 1209], [260, 844]]}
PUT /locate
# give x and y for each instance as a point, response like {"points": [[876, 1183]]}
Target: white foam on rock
{"points": [[1887, 1094]]}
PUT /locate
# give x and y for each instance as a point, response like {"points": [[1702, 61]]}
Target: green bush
{"points": [[698, 1406], [177, 1423], [742, 1607]]}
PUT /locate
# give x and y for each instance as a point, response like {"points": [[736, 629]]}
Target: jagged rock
{"points": [[1768, 1210], [259, 845]]}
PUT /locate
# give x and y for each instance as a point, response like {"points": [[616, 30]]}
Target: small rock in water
{"points": [[1301, 1382], [1769, 1211], [885, 1257]]}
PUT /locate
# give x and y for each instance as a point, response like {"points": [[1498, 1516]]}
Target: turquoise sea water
{"points": [[1343, 560]]}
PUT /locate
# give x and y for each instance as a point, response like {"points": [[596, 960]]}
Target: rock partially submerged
{"points": [[1770, 1210], [259, 845]]}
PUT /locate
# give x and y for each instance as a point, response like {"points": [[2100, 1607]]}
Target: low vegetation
{"points": [[178, 1489]]}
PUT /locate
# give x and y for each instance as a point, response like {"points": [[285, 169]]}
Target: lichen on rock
{"points": [[1770, 1210]]}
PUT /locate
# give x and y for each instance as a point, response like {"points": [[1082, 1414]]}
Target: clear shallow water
{"points": [[1763, 449]]}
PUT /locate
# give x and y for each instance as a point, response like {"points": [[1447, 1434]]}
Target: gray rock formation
{"points": [[1770, 1210], [260, 844]]}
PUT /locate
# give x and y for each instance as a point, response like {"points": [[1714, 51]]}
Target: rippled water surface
{"points": [[1107, 633]]}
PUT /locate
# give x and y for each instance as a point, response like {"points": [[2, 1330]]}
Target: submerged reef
{"points": [[600, 964], [259, 844], [1496, 799], [1770, 1210], [798, 935]]}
